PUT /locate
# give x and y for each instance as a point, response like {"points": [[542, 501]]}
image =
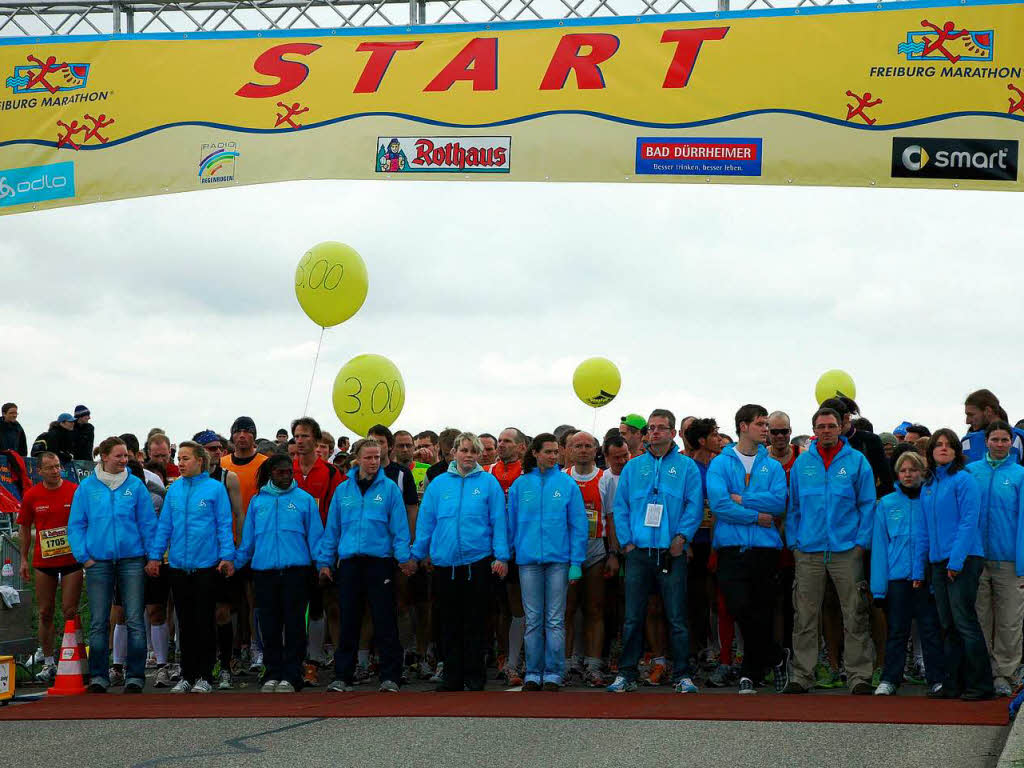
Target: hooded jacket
{"points": [[547, 521], [111, 524], [12, 437], [950, 509], [975, 449], [897, 516], [374, 523], [736, 525], [462, 519], [673, 481], [830, 510], [1001, 523], [83, 436], [195, 522], [282, 529]]}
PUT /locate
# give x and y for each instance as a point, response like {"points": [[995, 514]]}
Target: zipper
{"points": [[277, 528], [543, 482], [828, 506], [188, 499], [458, 522], [113, 521]]}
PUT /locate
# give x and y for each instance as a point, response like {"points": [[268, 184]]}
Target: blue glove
{"points": [[575, 573]]}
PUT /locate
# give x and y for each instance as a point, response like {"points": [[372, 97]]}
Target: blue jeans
{"points": [[644, 569], [99, 584], [968, 669], [544, 586], [903, 604]]}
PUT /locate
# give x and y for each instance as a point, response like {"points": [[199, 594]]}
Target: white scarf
{"points": [[113, 482]]}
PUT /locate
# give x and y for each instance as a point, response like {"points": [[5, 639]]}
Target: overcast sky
{"points": [[179, 311]]}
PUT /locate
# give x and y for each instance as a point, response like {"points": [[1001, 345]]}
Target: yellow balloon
{"points": [[368, 390], [832, 383], [331, 283], [596, 381]]}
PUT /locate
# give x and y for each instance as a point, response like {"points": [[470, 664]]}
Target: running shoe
{"points": [[224, 681], [794, 687], [593, 678], [825, 677], [685, 685], [388, 686], [915, 674], [362, 674], [885, 689], [47, 674], [310, 674], [116, 676], [37, 657], [202, 686], [1002, 687], [95, 687], [284, 687], [657, 674], [132, 687], [780, 675], [721, 677], [174, 670], [256, 663], [438, 676], [162, 679], [238, 667], [424, 671], [935, 691], [622, 685], [182, 686], [269, 686], [531, 685], [339, 686], [862, 689], [512, 677], [747, 686]]}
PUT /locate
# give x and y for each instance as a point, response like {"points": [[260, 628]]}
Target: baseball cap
{"points": [[902, 428], [634, 420], [65, 417], [888, 438], [205, 437], [244, 424]]}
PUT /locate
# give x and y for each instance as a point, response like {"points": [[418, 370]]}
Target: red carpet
{"points": [[635, 706]]}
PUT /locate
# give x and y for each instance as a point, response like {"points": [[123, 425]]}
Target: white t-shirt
{"points": [[748, 461]]}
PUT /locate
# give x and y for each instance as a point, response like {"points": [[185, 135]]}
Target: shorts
{"points": [[231, 590], [60, 570], [159, 589]]}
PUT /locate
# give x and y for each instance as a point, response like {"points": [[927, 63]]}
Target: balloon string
{"points": [[309, 392], [593, 429]]}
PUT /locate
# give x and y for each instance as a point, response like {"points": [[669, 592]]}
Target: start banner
{"points": [[912, 94]]}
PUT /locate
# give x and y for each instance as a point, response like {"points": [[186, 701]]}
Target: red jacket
{"points": [[320, 483]]}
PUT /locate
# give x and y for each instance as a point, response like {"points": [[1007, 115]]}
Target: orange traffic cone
{"points": [[82, 652], [71, 665]]}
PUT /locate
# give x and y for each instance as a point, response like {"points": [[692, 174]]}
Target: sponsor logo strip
{"points": [[975, 159], [698, 157], [35, 184], [443, 154]]}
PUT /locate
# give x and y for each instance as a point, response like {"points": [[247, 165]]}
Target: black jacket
{"points": [[56, 440], [12, 438], [870, 445], [82, 441]]}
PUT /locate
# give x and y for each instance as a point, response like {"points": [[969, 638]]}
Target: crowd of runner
{"points": [[656, 553]]}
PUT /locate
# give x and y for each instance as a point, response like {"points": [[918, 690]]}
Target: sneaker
{"points": [[388, 686], [256, 663], [424, 671], [719, 678], [310, 674], [151, 660], [685, 685], [339, 686], [551, 687], [512, 677], [657, 674], [794, 687], [862, 689], [163, 678], [37, 657], [116, 676], [825, 677], [270, 686], [175, 672], [592, 678], [915, 674], [202, 686], [284, 687], [132, 687], [622, 685], [1002, 687], [437, 677], [224, 680], [746, 686], [47, 674], [362, 673], [531, 685], [885, 689], [780, 673], [935, 691], [238, 667], [182, 686], [95, 687]]}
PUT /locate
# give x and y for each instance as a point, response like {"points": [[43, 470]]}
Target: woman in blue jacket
{"points": [[461, 531], [1001, 589], [950, 542], [281, 534], [896, 516], [548, 527], [110, 529], [196, 524]]}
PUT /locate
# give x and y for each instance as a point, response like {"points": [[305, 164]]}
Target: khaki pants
{"points": [[1000, 609], [847, 572]]}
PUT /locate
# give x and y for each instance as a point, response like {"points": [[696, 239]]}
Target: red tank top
{"points": [[506, 474], [592, 503]]}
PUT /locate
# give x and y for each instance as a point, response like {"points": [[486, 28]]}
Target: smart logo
{"points": [[977, 159]]}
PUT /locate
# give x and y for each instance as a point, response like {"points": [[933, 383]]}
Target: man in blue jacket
{"points": [[747, 493], [981, 408], [367, 530], [828, 527], [658, 505]]}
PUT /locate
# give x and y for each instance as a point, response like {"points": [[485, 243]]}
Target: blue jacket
{"points": [[547, 521], [672, 481], [736, 525], [373, 524], [897, 516], [951, 508], [830, 510], [975, 449], [1002, 500], [462, 519], [282, 529], [111, 525], [196, 521]]}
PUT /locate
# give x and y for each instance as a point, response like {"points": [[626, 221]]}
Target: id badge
{"points": [[653, 517]]}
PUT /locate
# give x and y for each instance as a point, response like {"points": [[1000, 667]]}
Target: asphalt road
{"points": [[476, 742]]}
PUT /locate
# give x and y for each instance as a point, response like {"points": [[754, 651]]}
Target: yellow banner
{"points": [[907, 94]]}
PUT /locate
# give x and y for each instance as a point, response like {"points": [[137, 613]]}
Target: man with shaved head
{"points": [[589, 592]]}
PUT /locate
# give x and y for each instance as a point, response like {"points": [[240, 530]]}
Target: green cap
{"points": [[634, 420]]}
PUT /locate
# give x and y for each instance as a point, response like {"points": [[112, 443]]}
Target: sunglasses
{"points": [[780, 431]]}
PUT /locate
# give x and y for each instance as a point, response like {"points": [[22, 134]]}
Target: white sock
{"points": [[363, 657], [120, 643], [149, 631], [315, 643], [160, 638], [516, 632]]}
